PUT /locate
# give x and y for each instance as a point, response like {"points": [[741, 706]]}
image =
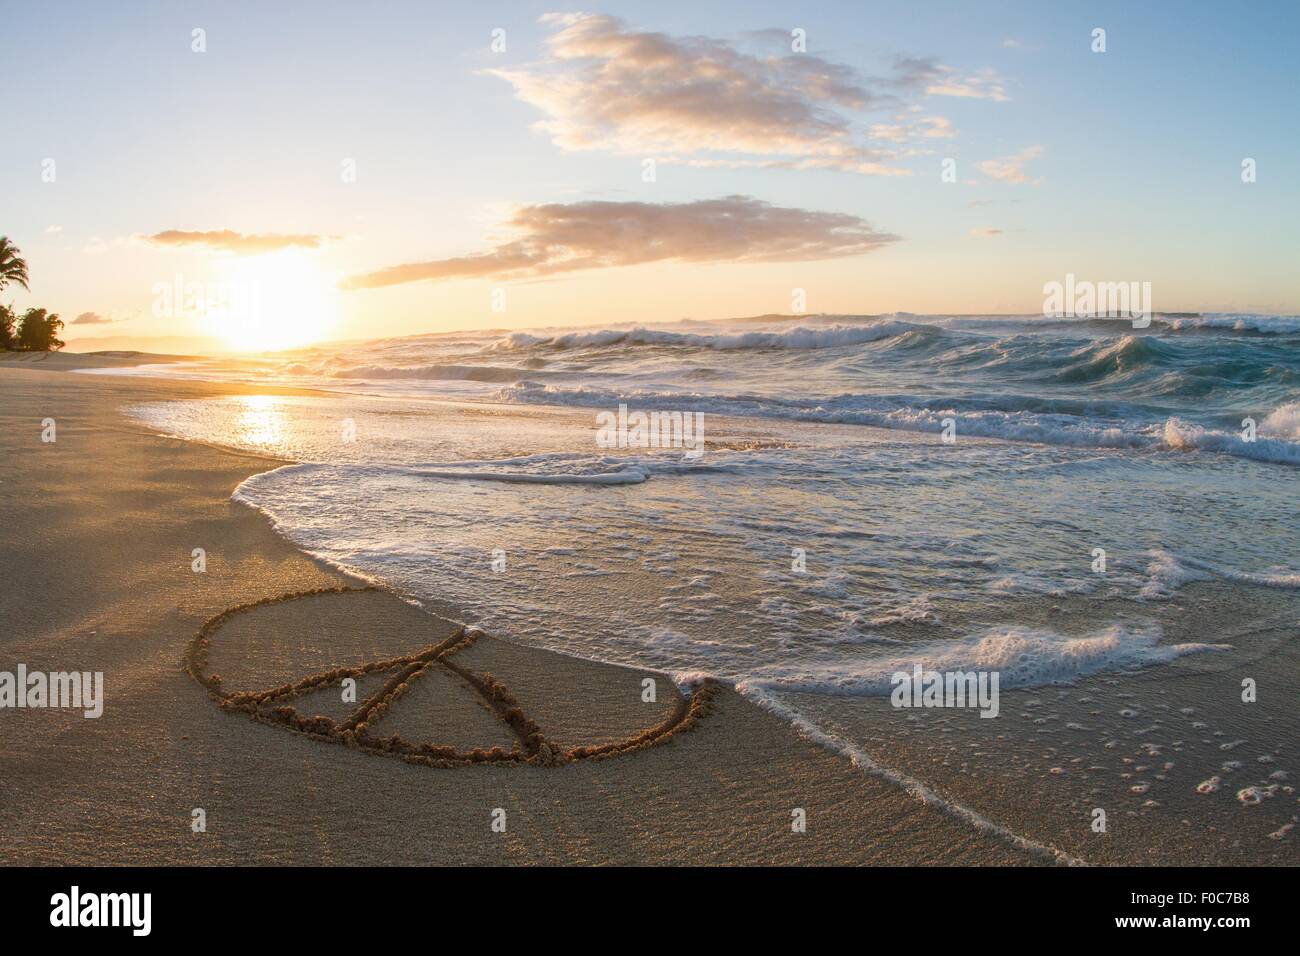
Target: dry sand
{"points": [[96, 535]]}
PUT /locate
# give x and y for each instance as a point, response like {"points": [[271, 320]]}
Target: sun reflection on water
{"points": [[260, 421]]}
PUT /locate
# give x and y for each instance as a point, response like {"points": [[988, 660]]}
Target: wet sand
{"points": [[1185, 771]]}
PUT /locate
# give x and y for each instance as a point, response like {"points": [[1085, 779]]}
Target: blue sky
{"points": [[1135, 168]]}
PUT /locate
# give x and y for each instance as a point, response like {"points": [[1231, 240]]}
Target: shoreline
{"points": [[736, 777]]}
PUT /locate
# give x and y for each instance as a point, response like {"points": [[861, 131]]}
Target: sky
{"points": [[297, 172]]}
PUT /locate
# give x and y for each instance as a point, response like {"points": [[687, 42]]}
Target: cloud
{"points": [[984, 85], [1011, 169], [556, 238], [927, 127], [226, 240], [936, 79], [890, 132], [938, 127], [603, 85], [91, 318], [53, 229], [916, 71], [985, 233]]}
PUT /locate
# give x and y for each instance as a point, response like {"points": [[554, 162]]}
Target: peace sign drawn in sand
{"points": [[519, 739]]}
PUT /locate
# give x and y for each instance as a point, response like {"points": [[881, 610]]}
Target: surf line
{"points": [[860, 759]]}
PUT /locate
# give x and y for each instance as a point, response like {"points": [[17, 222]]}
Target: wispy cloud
{"points": [[703, 101], [555, 238], [985, 85], [927, 127], [227, 240], [91, 318], [936, 127], [936, 79], [1011, 169], [985, 233]]}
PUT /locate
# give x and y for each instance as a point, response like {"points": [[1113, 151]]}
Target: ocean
{"points": [[1104, 516]]}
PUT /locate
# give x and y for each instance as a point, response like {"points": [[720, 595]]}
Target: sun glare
{"points": [[272, 302], [260, 420]]}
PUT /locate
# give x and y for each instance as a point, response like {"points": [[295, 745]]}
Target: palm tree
{"points": [[12, 268]]}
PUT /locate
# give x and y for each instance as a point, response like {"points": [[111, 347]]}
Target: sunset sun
{"points": [[270, 302]]}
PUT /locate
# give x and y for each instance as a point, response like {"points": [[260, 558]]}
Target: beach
{"points": [[96, 549]]}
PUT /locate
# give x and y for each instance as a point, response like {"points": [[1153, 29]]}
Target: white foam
{"points": [[1022, 656], [1048, 429], [802, 337], [629, 475], [1238, 322], [1168, 572], [562, 469], [1283, 422], [1023, 583], [455, 373], [1183, 436], [853, 410]]}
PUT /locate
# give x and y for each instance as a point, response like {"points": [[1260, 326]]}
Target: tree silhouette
{"points": [[12, 267], [8, 338], [39, 331]]}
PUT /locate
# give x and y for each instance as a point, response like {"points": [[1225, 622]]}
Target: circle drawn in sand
{"points": [[275, 705]]}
